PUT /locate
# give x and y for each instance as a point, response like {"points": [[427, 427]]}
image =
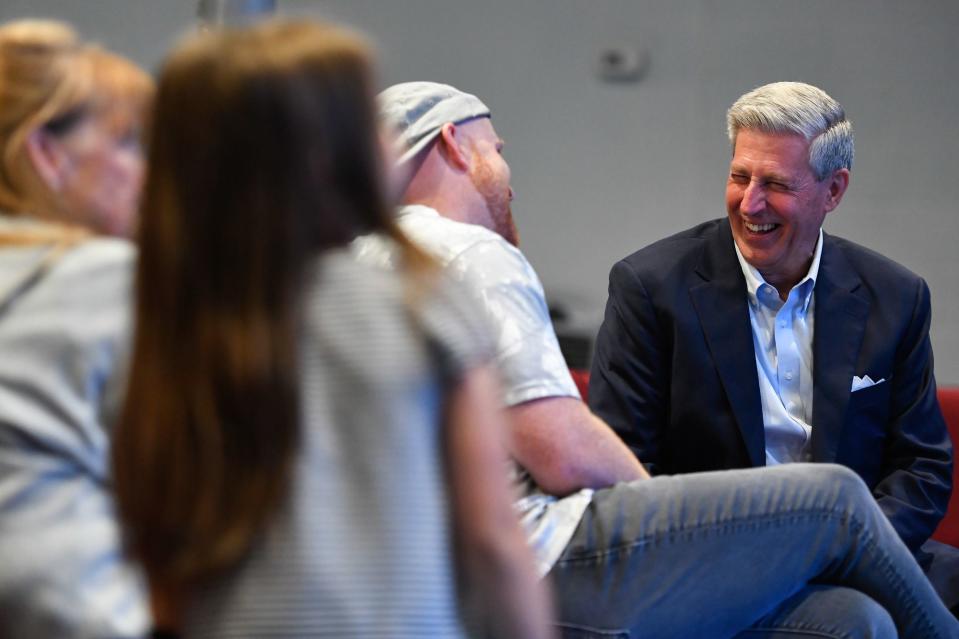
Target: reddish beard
{"points": [[497, 197]]}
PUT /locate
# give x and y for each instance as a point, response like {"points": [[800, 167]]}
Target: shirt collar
{"points": [[754, 279]]}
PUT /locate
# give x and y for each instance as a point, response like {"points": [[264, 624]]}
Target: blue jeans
{"points": [[797, 550], [942, 568]]}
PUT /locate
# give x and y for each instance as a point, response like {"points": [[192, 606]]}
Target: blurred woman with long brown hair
{"points": [[69, 169], [306, 443]]}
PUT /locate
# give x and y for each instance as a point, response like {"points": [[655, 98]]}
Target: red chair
{"points": [[581, 379], [948, 530]]}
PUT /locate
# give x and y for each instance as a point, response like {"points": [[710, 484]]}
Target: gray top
{"points": [[63, 339], [362, 547], [507, 291]]}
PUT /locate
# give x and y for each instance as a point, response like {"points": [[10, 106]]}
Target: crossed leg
{"points": [[711, 554]]}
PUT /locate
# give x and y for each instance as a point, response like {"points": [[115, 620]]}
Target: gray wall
{"points": [[602, 169]]}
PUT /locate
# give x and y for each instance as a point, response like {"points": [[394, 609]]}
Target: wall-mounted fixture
{"points": [[622, 63]]}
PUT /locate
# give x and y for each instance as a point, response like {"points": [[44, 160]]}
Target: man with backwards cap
{"points": [[702, 555]]}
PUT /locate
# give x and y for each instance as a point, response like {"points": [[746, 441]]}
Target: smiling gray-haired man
{"points": [[757, 339]]}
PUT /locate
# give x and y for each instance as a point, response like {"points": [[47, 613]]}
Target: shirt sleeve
{"points": [[507, 292]]}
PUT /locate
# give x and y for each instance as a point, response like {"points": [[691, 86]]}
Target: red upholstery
{"points": [[948, 531], [581, 378]]}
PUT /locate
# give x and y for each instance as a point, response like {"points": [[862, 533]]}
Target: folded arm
{"points": [[565, 448]]}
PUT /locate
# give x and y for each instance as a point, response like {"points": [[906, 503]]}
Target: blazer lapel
{"points": [[840, 322], [722, 307]]}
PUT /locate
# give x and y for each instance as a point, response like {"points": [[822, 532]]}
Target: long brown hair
{"points": [[263, 151]]}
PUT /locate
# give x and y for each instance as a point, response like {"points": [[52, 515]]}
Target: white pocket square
{"points": [[859, 383]]}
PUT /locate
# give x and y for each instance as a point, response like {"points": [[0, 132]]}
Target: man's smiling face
{"points": [[775, 204]]}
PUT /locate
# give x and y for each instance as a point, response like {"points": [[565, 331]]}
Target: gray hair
{"points": [[800, 109]]}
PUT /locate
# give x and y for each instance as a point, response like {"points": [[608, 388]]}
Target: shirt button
{"points": [[789, 375]]}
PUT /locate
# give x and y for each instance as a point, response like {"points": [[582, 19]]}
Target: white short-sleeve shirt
{"points": [[527, 355]]}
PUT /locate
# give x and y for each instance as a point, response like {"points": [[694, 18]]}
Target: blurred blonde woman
{"points": [[69, 168], [308, 446], [70, 120]]}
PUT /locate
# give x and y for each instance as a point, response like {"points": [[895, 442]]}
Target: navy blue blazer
{"points": [[674, 371]]}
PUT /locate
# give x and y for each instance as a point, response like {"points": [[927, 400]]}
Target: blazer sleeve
{"points": [[629, 379], [917, 463]]}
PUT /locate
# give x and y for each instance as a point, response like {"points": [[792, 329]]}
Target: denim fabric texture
{"points": [[709, 555], [825, 611]]}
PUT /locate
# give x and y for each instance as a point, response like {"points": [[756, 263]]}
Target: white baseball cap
{"points": [[416, 111]]}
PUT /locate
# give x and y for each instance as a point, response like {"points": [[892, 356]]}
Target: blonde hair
{"points": [[123, 91], [57, 237], [48, 76]]}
